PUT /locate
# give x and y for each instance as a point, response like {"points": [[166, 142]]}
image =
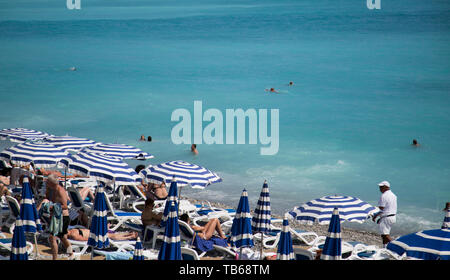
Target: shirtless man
{"points": [[57, 194]]}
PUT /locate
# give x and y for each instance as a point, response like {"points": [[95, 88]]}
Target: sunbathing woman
{"points": [[82, 234], [207, 231]]}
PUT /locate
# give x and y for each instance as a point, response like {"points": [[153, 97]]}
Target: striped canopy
{"points": [[241, 229], [184, 172], [40, 154], [424, 245], [98, 236], [285, 250], [171, 246], [332, 249], [138, 254], [69, 143], [21, 135], [171, 196], [109, 170], [118, 150], [319, 210], [28, 213], [18, 243], [261, 217], [446, 222]]}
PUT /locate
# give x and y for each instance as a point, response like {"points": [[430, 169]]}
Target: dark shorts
{"points": [[66, 222]]}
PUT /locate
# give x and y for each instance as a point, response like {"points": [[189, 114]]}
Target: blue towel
{"points": [[207, 245]]}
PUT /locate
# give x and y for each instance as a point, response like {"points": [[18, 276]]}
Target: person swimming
{"points": [[415, 143], [291, 83], [271, 90]]}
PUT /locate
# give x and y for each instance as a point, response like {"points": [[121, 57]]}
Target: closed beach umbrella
{"points": [[138, 250], [171, 196], [28, 213], [18, 243], [285, 250], [241, 229], [446, 222], [39, 153], [332, 249], [262, 215], [171, 246], [118, 150], [423, 245], [21, 135], [103, 168], [184, 173], [98, 236], [69, 143], [320, 210]]}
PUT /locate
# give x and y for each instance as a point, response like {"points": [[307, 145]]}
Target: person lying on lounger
{"points": [[207, 231], [82, 234]]}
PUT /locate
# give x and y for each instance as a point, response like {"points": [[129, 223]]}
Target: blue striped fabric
{"points": [[98, 235], [285, 250], [424, 245], [320, 210], [138, 254], [118, 150], [171, 246], [184, 172], [262, 214], [103, 168], [69, 143], [18, 243], [41, 154], [241, 229], [332, 249], [28, 213], [446, 222], [21, 135], [171, 196]]}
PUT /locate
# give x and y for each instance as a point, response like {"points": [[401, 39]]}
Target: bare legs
{"points": [[209, 229]]}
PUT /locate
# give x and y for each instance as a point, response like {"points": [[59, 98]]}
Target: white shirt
{"points": [[388, 200]]}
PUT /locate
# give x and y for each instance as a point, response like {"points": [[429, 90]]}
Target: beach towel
{"points": [[208, 245], [56, 222]]}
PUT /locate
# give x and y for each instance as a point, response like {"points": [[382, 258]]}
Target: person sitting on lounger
{"points": [[82, 234], [207, 231], [148, 217], [156, 192]]}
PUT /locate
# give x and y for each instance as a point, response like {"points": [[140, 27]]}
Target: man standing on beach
{"points": [[388, 207]]}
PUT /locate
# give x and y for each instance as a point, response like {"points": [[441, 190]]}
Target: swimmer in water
{"points": [[72, 68], [291, 84], [271, 90], [194, 149], [415, 143]]}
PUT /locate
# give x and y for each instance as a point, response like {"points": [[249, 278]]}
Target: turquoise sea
{"points": [[366, 82]]}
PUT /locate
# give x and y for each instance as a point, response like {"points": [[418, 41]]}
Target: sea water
{"points": [[366, 82]]}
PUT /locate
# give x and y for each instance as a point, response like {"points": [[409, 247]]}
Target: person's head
{"points": [[384, 186], [139, 168], [52, 181], [149, 202], [415, 142], [447, 206], [185, 218], [6, 172], [142, 138], [291, 83], [193, 146], [149, 139]]}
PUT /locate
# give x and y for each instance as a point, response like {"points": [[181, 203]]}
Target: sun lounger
{"points": [[6, 244], [120, 216], [299, 237], [14, 212], [303, 254]]}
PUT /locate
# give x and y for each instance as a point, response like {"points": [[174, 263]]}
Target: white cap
{"points": [[385, 183]]}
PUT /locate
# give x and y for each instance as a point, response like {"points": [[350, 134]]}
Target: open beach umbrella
{"points": [[118, 150], [69, 143], [18, 243], [98, 236], [171, 196], [423, 245], [171, 246], [39, 153], [285, 250], [20, 135], [332, 249], [319, 210], [184, 172], [138, 251], [241, 229], [446, 222], [103, 168], [262, 214]]}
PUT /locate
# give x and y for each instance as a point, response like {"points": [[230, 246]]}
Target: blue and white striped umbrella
{"points": [[138, 254], [241, 229], [262, 214], [285, 250], [332, 249], [41, 154], [98, 235], [423, 245], [19, 242], [184, 172], [171, 246], [21, 135], [319, 210], [171, 196], [118, 150], [28, 213], [109, 170], [446, 222], [69, 143]]}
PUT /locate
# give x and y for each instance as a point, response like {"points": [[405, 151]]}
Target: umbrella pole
{"points": [[262, 245], [65, 178], [179, 199], [36, 251]]}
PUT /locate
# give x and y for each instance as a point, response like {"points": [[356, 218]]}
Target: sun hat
{"points": [[385, 183]]}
